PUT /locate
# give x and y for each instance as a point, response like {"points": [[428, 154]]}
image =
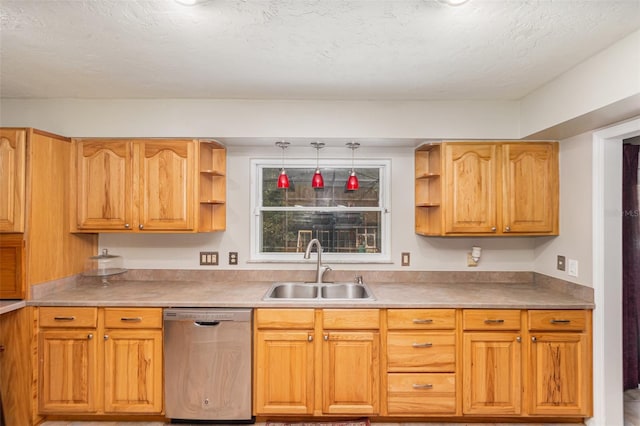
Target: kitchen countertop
{"points": [[11, 305], [233, 294]]}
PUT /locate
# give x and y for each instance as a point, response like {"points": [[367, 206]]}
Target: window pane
{"points": [[338, 232], [334, 194]]}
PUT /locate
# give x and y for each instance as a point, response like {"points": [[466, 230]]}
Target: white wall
{"points": [[604, 80], [575, 240], [181, 251]]}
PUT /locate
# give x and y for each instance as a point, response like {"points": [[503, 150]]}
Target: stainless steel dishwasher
{"points": [[207, 364]]}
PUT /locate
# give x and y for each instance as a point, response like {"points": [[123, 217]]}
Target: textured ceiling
{"points": [[300, 49]]}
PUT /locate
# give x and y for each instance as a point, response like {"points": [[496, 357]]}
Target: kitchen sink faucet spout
{"points": [[320, 268]]}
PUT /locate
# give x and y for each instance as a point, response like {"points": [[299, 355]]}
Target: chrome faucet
{"points": [[320, 268]]}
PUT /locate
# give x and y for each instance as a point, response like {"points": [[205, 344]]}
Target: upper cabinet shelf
{"points": [[148, 185], [486, 188]]}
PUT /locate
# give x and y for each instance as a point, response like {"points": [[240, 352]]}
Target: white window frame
{"points": [[384, 256]]}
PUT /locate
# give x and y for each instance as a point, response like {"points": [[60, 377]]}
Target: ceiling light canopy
{"points": [[453, 2]]}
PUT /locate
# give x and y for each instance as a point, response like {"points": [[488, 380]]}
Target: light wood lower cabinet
{"points": [[316, 362], [92, 365]]}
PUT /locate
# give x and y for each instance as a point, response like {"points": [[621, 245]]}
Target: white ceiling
{"points": [[300, 49]]}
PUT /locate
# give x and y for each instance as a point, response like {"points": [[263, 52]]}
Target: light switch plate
{"points": [[208, 258], [573, 267]]}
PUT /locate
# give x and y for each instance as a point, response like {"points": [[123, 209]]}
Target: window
{"points": [[352, 226]]}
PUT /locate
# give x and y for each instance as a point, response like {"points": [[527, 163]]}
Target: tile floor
{"points": [[632, 407]]}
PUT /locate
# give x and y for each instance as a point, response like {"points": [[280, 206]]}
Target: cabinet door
{"points": [[492, 373], [104, 185], [12, 266], [470, 191], [133, 371], [530, 188], [351, 372], [166, 186], [560, 379], [284, 368], [12, 179], [67, 371]]}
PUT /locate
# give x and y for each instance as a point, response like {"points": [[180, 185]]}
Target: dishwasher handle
{"points": [[206, 323]]}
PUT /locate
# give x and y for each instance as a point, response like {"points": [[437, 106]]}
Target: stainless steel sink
{"points": [[317, 292]]}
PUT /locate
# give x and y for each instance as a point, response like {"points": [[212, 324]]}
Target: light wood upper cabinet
{"points": [[104, 184], [149, 185], [487, 188], [12, 179]]}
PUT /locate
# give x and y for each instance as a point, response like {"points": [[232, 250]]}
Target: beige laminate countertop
{"points": [[11, 305], [233, 294]]}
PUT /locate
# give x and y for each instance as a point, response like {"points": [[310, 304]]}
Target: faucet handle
{"points": [[358, 279]]}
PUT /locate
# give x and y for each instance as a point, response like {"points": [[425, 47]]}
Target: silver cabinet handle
{"points": [[71, 318], [326, 337], [310, 338], [90, 336], [534, 339], [422, 345], [422, 321], [106, 337], [507, 229], [494, 321], [131, 319], [141, 226], [518, 339], [560, 321], [493, 229], [424, 386], [127, 226]]}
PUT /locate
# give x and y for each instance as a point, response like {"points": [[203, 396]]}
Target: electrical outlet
{"points": [[573, 267], [560, 263], [233, 258], [209, 258], [406, 259]]}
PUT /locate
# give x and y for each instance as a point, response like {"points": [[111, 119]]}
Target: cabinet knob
{"points": [[141, 226], [127, 226], [518, 339], [493, 229], [326, 337], [310, 338], [2, 348], [106, 337], [90, 336], [534, 339], [507, 229]]}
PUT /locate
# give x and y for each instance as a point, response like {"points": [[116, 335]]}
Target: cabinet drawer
{"points": [[351, 319], [284, 318], [421, 319], [133, 318], [491, 319], [561, 320], [421, 352], [421, 393], [68, 317]]}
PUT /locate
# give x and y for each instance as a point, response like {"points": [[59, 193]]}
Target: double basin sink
{"points": [[320, 291]]}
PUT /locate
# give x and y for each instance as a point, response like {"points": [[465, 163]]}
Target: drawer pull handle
{"points": [[131, 319], [72, 318], [494, 321], [422, 345], [424, 386], [560, 321], [422, 321]]}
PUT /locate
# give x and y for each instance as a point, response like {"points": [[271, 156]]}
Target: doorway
{"points": [[607, 271]]}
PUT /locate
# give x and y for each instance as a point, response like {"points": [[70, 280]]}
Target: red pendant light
{"points": [[317, 182], [283, 179], [352, 182]]}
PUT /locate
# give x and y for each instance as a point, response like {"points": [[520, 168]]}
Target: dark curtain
{"points": [[630, 268]]}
